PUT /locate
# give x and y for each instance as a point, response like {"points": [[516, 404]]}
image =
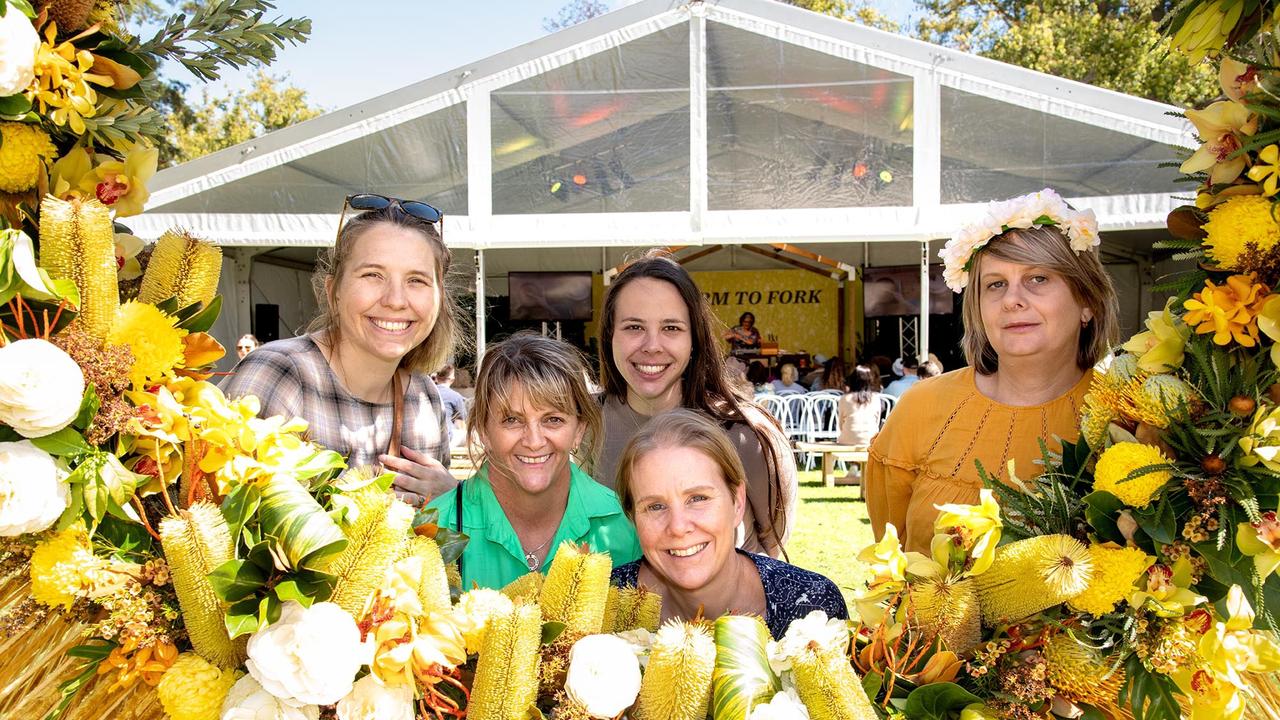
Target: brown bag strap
{"points": [[397, 413]]}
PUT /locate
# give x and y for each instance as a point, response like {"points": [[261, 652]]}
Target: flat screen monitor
{"points": [[550, 295], [891, 291]]}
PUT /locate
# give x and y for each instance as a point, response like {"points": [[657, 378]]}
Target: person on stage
{"points": [[360, 377], [682, 483], [539, 430], [659, 352], [1039, 311], [744, 336]]}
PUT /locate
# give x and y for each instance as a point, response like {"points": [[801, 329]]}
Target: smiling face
{"points": [[1029, 312], [528, 444], [388, 297], [685, 514], [652, 344]]}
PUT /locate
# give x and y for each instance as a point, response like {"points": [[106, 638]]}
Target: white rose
{"points": [[309, 656], [371, 700], [783, 705], [830, 635], [33, 493], [40, 387], [604, 675], [18, 45], [246, 700], [1082, 230]]}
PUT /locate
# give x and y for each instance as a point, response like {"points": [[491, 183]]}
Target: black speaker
{"points": [[266, 322]]}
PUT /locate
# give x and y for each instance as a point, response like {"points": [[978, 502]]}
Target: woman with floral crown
{"points": [[1039, 311]]}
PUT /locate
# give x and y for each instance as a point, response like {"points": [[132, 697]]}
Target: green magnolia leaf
{"points": [[74, 511], [1158, 521], [67, 442], [88, 408], [305, 536], [1150, 695], [269, 608], [124, 538], [203, 320], [239, 506], [322, 462], [242, 618], [871, 684], [551, 631], [235, 580], [451, 543], [15, 105], [937, 701], [8, 434], [314, 584], [1090, 712], [186, 313], [260, 555], [1100, 510], [289, 590]]}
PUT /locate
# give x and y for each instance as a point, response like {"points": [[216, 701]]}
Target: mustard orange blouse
{"points": [[924, 455]]}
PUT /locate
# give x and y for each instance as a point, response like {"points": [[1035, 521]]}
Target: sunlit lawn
{"points": [[831, 528]]}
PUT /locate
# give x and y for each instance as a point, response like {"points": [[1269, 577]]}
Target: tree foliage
{"points": [[574, 12], [1114, 44], [860, 11]]}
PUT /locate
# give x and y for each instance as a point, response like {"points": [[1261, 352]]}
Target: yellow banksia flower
{"points": [[182, 267], [1120, 461], [24, 149], [1080, 674], [192, 689], [828, 686], [527, 587], [1032, 575], [433, 590], [376, 539], [677, 682], [950, 608], [1164, 399], [196, 542], [637, 608], [77, 242], [610, 611], [577, 589], [506, 684], [474, 610], [454, 575], [153, 338], [1095, 422], [1115, 570]]}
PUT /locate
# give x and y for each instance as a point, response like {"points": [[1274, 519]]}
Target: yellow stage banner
{"points": [[798, 307]]}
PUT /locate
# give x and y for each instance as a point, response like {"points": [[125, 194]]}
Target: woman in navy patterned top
{"points": [[681, 482]]}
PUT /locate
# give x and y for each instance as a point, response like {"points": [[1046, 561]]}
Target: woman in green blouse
{"points": [[533, 417]]}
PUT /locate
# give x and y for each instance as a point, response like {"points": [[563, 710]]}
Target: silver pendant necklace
{"points": [[531, 556]]}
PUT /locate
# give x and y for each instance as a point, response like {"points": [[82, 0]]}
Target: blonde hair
{"points": [[1045, 247], [551, 373], [331, 264], [679, 428]]}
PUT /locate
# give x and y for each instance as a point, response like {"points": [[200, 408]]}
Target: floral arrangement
{"points": [[1039, 209]]}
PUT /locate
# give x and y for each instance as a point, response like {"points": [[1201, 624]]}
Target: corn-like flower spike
{"points": [[1080, 674], [376, 539], [677, 682], [195, 542], [637, 608], [829, 688], [742, 677], [950, 608], [506, 684], [184, 267], [1032, 575], [527, 587], [577, 589], [610, 612], [433, 589], [77, 243]]}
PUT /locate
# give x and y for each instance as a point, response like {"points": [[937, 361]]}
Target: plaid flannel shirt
{"points": [[292, 378]]}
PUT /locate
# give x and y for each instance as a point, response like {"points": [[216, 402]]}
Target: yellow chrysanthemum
{"points": [[150, 334], [64, 568], [1236, 224], [192, 689], [1119, 461], [1115, 570], [23, 150]]}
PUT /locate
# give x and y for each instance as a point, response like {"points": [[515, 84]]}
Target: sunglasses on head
{"points": [[374, 202]]}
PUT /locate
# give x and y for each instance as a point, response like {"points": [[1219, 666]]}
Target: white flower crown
{"points": [[1038, 209]]}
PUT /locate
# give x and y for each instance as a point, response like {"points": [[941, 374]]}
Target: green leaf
{"points": [[1149, 695], [23, 6], [321, 462], [67, 442], [239, 506], [269, 608], [937, 700], [242, 618], [1101, 509], [93, 653], [551, 631], [88, 408], [289, 590], [1090, 712], [1158, 521], [871, 684], [203, 320], [314, 584], [235, 580], [15, 105], [123, 538], [451, 543], [260, 555], [305, 535], [8, 434]]}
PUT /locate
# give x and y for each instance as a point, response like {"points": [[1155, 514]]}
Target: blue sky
{"points": [[361, 50]]}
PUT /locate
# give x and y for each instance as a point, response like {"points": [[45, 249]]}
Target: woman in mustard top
{"points": [[1039, 313]]}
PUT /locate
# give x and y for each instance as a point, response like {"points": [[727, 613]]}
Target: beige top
{"points": [[621, 423], [925, 454]]}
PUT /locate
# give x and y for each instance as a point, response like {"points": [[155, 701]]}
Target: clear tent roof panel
{"points": [[738, 121]]}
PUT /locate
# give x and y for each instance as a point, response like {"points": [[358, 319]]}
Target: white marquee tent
{"points": [[688, 123]]}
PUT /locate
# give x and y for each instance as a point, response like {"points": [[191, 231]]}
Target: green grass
{"points": [[830, 529]]}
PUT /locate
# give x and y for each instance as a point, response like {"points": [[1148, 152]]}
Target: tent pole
{"points": [[922, 346], [480, 307]]}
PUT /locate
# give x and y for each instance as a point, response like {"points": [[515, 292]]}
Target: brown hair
{"points": [[551, 373], [679, 428], [1045, 247], [433, 351], [704, 385]]}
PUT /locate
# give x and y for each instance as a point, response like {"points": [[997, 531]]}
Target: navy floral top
{"points": [[789, 592]]}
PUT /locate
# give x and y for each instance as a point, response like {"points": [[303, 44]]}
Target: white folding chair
{"points": [[823, 420], [887, 402], [775, 406]]}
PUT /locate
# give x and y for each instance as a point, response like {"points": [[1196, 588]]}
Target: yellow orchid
{"points": [[1207, 27], [1228, 311], [1262, 443], [407, 641], [1269, 324], [1220, 128], [1160, 347], [122, 184], [61, 89], [1267, 170], [967, 535], [69, 173], [1227, 650], [1236, 78], [127, 249], [885, 558], [1167, 591], [1261, 541]]}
